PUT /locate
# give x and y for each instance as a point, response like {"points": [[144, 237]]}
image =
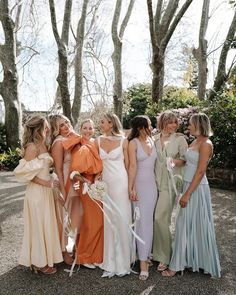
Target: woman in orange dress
{"points": [[85, 159]]}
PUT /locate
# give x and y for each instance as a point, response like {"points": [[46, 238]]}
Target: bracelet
{"points": [[73, 174]]}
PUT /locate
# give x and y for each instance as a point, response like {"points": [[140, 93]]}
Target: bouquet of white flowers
{"points": [[98, 190]]}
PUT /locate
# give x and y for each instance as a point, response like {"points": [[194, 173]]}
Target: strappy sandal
{"points": [[170, 273], [143, 276], [46, 270], [161, 267]]}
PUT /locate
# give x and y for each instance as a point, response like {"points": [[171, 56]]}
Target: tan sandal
{"points": [[68, 259], [170, 273], [161, 267], [46, 270]]}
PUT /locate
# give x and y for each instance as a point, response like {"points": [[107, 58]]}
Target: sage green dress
{"points": [[162, 240]]}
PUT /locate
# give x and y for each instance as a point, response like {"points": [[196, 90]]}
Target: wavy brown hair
{"points": [[54, 125], [138, 123], [33, 132]]}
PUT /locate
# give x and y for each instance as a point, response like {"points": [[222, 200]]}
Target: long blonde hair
{"points": [[54, 125], [117, 129], [33, 132]]}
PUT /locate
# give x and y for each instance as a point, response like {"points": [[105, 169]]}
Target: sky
{"points": [[38, 79]]}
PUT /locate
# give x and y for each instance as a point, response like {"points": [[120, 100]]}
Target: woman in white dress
{"points": [[113, 149], [41, 243]]}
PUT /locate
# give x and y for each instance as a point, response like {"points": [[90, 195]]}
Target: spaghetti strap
{"points": [[98, 139]]}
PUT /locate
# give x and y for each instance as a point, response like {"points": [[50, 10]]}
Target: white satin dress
{"points": [[117, 254]]}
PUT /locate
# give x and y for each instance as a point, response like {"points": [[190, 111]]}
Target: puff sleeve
{"points": [[27, 170]]}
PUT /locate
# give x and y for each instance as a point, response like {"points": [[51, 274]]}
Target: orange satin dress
{"points": [[86, 160]]}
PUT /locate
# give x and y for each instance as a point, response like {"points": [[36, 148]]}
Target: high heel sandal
{"points": [[161, 267], [46, 270], [143, 276]]}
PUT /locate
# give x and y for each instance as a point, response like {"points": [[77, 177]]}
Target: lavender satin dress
{"points": [[145, 185]]}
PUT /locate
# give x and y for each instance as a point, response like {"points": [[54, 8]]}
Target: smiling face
{"points": [[64, 127], [87, 130], [105, 125], [171, 127]]}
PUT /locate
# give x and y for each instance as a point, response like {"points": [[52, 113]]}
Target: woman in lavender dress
{"points": [[142, 185]]}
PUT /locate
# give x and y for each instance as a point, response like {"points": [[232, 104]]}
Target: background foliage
{"points": [[184, 102]]}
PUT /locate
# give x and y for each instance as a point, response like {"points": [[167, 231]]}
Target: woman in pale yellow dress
{"points": [[61, 130], [41, 243]]}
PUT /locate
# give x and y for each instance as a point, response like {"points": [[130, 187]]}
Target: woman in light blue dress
{"points": [[194, 245]]}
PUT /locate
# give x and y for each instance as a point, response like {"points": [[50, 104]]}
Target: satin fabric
{"points": [[85, 159]]}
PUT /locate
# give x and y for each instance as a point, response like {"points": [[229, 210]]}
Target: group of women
{"points": [[140, 173]]}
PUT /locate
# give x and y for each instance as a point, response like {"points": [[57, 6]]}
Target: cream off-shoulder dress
{"points": [[41, 242]]}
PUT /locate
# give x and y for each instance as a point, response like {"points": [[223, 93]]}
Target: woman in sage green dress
{"points": [[172, 145]]}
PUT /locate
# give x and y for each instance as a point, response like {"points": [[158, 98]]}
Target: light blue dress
{"points": [[194, 245]]}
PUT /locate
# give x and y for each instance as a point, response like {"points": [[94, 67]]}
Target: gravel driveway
{"points": [[15, 279]]}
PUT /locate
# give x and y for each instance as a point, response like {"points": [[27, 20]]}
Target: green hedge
{"points": [[221, 111]]}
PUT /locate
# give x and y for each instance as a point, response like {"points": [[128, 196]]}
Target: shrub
{"points": [[10, 159], [222, 113]]}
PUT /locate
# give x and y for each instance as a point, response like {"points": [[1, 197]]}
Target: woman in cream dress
{"points": [[41, 243]]}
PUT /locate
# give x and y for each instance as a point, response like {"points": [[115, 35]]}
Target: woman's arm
{"points": [[132, 149], [126, 154], [205, 153], [182, 148], [58, 157]]}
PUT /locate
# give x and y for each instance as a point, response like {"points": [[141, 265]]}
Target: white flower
{"points": [[98, 190]]}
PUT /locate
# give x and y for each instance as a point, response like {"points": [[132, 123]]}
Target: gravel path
{"points": [[15, 279]]}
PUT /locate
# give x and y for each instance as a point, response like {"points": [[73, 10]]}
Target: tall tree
{"points": [[62, 43], [162, 26], [117, 36], [201, 52], [221, 76], [9, 84], [78, 62]]}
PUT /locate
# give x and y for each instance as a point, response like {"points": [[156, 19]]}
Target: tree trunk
{"points": [[117, 54], [9, 85], [221, 76], [162, 27], [201, 52], [78, 63], [62, 77]]}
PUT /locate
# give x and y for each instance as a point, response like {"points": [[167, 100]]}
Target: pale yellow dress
{"points": [[41, 242]]}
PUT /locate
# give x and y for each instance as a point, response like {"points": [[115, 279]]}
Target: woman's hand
{"points": [[98, 177], [53, 183], [133, 195], [184, 200]]}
